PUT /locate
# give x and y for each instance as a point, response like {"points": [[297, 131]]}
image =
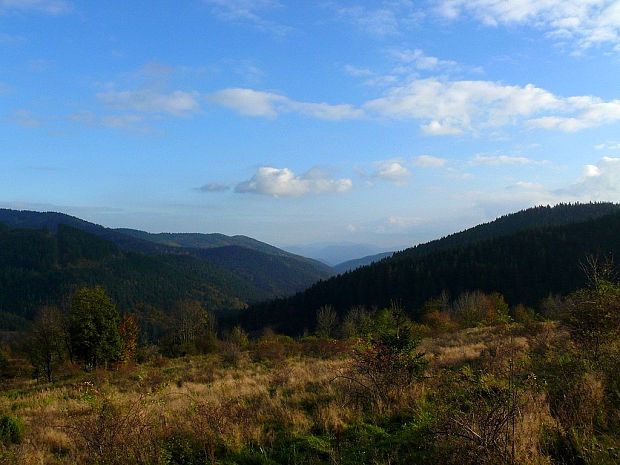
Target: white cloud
{"points": [[435, 128], [608, 146], [527, 185], [442, 106], [591, 171], [283, 182], [248, 11], [52, 7], [591, 112], [421, 61], [251, 102], [177, 103], [497, 160], [586, 22], [599, 182], [456, 106], [357, 72], [387, 18], [428, 161], [392, 171]]}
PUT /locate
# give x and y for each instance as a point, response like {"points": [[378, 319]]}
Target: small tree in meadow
{"points": [[46, 342], [94, 327]]}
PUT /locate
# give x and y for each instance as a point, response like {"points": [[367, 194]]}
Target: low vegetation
{"points": [[474, 381]]}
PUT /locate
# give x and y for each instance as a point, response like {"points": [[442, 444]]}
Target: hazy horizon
{"points": [[383, 123]]}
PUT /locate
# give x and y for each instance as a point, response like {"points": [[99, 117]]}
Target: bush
{"points": [[11, 430]]}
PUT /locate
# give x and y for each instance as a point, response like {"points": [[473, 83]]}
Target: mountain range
{"points": [[44, 256]]}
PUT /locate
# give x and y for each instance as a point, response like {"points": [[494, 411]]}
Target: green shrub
{"points": [[11, 430]]}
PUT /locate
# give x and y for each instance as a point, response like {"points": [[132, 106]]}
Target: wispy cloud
{"points": [[420, 60], [251, 102], [26, 118], [499, 160], [608, 146], [584, 22], [176, 103], [283, 182], [428, 161], [526, 185], [213, 187], [384, 18], [441, 106], [590, 112], [52, 7], [252, 12]]}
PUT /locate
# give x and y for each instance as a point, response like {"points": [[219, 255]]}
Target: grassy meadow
{"points": [[501, 394]]}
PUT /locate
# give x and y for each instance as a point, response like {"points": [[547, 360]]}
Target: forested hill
{"points": [[40, 267], [525, 266], [261, 258], [531, 218], [42, 260], [141, 241], [207, 241], [536, 217]]}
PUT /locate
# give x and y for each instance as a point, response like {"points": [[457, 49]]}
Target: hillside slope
{"points": [[269, 271], [39, 267], [525, 266]]}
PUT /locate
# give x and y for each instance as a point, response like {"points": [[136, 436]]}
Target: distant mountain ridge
{"points": [[524, 255], [333, 254], [59, 252], [351, 265]]}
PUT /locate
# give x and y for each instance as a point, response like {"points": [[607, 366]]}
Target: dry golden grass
{"points": [[66, 424], [120, 417]]}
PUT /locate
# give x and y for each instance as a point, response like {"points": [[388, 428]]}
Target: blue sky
{"points": [[295, 122]]}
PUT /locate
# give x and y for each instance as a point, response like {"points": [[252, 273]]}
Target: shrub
{"points": [[11, 430]]}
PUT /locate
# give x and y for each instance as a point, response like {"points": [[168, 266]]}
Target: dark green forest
{"points": [[539, 258], [42, 267]]}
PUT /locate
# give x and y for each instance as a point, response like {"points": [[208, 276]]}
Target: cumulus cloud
{"points": [[586, 22], [283, 182], [176, 103], [599, 182], [428, 161], [455, 106], [213, 187], [251, 102], [392, 171], [52, 7], [442, 107]]}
